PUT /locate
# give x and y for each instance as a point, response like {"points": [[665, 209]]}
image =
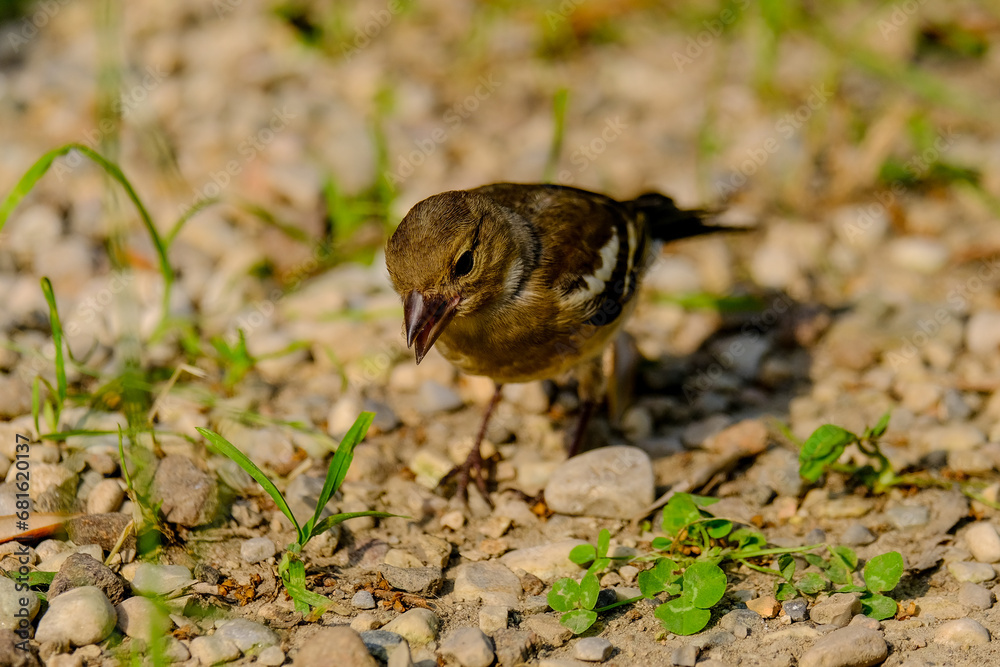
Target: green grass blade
{"points": [[559, 104], [121, 457], [188, 214], [36, 403], [227, 448], [337, 471], [333, 520], [57, 340], [295, 583]]}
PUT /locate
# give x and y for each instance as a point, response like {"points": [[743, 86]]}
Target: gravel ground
{"points": [[862, 143]]}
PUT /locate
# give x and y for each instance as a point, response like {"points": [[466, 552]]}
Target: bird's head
{"points": [[452, 256]]}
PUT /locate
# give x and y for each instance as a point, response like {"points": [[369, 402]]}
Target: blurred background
{"points": [[303, 130]]}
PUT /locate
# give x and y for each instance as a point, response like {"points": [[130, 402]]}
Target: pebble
{"points": [[865, 622], [975, 596], [84, 570], [435, 397], [685, 656], [103, 530], [187, 495], [845, 507], [339, 641], [908, 516], [796, 610], [963, 632], [247, 634], [974, 572], [983, 542], [493, 617], [982, 332], [469, 647], [545, 561], [592, 484], [381, 643], [139, 618], [174, 650], [489, 581], [212, 650], [741, 622], [940, 607], [364, 622], [417, 626], [418, 580], [272, 656], [363, 600], [549, 629], [593, 649], [857, 535], [766, 606], [836, 610], [847, 647], [167, 580], [513, 647], [78, 617], [11, 603], [106, 496], [257, 549], [922, 255]]}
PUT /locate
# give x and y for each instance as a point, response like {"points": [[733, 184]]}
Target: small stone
{"points": [[319, 647], [549, 629], [513, 647], [983, 541], [539, 604], [272, 656], [78, 617], [247, 634], [364, 622], [593, 649], [167, 580], [940, 607], [102, 529], [847, 647], [418, 580], [211, 650], [434, 397], [81, 569], [493, 617], [836, 610], [982, 332], [914, 253], [766, 606], [454, 519], [139, 618], [469, 647], [13, 602], [685, 656], [975, 596], [594, 484], [857, 535], [548, 562], [106, 496], [863, 621], [381, 643], [963, 632], [974, 572], [845, 507], [257, 549], [187, 495], [488, 581], [796, 610], [908, 516], [363, 600], [175, 651], [741, 622], [417, 626]]}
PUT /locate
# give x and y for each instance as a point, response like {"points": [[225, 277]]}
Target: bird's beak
{"points": [[424, 318]]}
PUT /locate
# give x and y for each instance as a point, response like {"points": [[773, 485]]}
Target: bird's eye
{"points": [[464, 263]]}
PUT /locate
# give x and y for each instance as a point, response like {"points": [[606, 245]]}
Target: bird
{"points": [[520, 282]]}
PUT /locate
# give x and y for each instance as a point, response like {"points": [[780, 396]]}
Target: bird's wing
{"points": [[592, 247]]}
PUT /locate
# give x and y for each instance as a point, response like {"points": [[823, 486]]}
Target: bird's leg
{"points": [[586, 410], [590, 387], [474, 462]]}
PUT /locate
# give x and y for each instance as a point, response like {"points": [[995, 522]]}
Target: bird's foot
{"points": [[474, 468]]}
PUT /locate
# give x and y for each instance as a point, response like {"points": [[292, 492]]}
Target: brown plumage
{"points": [[526, 282]]}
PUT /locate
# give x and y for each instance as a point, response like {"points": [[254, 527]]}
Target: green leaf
{"points": [[847, 556], [812, 583], [786, 565], [822, 449], [590, 588], [817, 561], [681, 617], [879, 429], [747, 538], [599, 565], [704, 583], [839, 574], [227, 448], [337, 471], [661, 543], [658, 578], [565, 594], [878, 606], [334, 519], [578, 620], [718, 528], [784, 591], [679, 513], [702, 501], [883, 572], [603, 543], [582, 554], [852, 588], [294, 578]]}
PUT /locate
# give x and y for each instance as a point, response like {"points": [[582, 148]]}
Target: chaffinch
{"points": [[522, 282]]}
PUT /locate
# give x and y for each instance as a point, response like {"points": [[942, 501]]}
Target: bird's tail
{"points": [[667, 222]]}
